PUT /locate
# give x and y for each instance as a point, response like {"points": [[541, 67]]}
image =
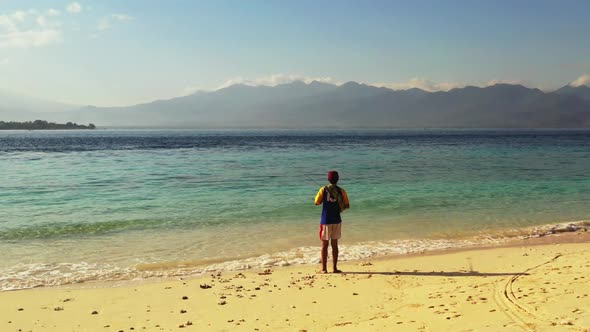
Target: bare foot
{"points": [[337, 271], [322, 272]]}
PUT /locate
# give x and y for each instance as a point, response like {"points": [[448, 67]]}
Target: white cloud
{"points": [[189, 90], [30, 38], [420, 83], [276, 79], [7, 23], [17, 31], [513, 82], [74, 7], [233, 81], [45, 22], [41, 21], [582, 80], [19, 16], [52, 12], [105, 23], [122, 17]]}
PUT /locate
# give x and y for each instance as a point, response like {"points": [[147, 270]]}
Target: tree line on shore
{"points": [[42, 124]]}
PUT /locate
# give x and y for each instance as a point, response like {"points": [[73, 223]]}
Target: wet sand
{"points": [[540, 284]]}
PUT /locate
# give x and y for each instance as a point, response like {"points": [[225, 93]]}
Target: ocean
{"points": [[79, 206]]}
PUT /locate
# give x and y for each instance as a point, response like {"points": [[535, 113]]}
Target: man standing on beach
{"points": [[334, 200]]}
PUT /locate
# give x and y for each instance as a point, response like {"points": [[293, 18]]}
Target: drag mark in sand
{"points": [[526, 318]]}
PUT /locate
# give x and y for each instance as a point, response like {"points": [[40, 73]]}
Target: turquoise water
{"points": [[84, 205]]}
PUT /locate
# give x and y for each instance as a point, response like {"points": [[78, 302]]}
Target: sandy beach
{"points": [[539, 284]]}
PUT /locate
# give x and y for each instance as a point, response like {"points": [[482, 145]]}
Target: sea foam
{"points": [[24, 276]]}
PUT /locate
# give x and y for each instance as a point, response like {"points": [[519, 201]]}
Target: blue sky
{"points": [[108, 52]]}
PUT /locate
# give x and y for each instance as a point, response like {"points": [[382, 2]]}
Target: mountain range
{"points": [[321, 105]]}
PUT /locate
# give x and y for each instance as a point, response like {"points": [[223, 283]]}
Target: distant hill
{"points": [[321, 105], [581, 91]]}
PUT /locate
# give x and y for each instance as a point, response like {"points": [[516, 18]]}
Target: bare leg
{"points": [[335, 256], [324, 256]]}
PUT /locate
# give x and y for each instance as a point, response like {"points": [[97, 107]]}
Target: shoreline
{"points": [[552, 239], [536, 284], [300, 256]]}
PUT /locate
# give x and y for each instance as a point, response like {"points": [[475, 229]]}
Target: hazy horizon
{"points": [[585, 81], [111, 53]]}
